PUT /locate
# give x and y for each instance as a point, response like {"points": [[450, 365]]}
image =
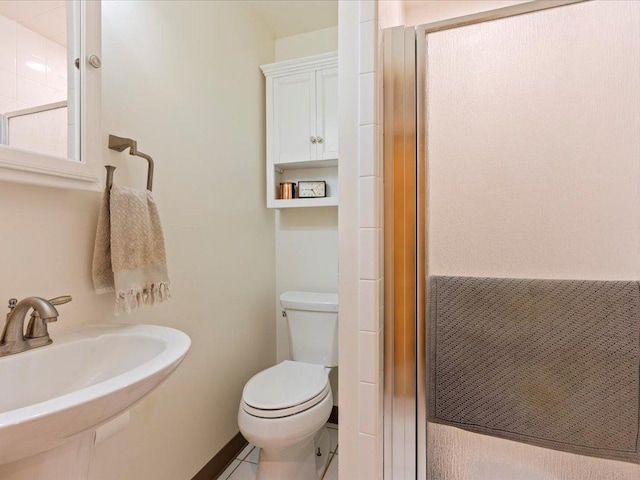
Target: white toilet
{"points": [[284, 408]]}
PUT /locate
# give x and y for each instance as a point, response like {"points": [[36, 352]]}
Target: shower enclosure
{"points": [[41, 129], [512, 149]]}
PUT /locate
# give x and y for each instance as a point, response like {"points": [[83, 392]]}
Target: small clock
{"points": [[312, 189]]}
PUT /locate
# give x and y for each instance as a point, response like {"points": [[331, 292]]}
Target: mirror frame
{"points": [[20, 166]]}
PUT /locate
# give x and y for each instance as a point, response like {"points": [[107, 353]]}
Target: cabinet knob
{"points": [[313, 139], [320, 139], [95, 61]]}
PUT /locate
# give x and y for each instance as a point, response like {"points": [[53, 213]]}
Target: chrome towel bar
{"points": [[120, 144]]}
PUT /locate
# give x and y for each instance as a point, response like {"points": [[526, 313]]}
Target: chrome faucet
{"points": [[13, 338]]}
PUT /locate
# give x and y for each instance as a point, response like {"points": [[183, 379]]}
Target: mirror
{"points": [[49, 92], [37, 65]]}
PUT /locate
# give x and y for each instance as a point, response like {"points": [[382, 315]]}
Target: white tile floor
{"points": [[246, 463]]}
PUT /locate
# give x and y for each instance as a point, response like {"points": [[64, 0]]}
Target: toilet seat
{"points": [[286, 412], [285, 389]]}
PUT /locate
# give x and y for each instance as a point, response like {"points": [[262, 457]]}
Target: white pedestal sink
{"points": [[54, 398]]}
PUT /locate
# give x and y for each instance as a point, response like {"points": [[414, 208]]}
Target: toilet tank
{"points": [[313, 326]]}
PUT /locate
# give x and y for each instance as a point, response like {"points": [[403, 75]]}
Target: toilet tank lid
{"points": [[317, 302]]}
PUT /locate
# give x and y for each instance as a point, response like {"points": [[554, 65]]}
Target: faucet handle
{"points": [[60, 300], [12, 304]]}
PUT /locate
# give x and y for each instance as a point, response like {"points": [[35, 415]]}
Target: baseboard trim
{"points": [[333, 418], [222, 459]]}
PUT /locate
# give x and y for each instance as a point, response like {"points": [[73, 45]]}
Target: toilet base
{"points": [[322, 443], [300, 462]]}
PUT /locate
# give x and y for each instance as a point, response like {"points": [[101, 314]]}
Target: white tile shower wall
{"points": [[369, 185], [360, 230], [20, 85], [370, 248]]}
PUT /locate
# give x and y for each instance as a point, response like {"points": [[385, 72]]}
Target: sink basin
{"points": [[88, 376]]}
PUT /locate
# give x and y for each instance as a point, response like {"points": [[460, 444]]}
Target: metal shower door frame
{"points": [[405, 235], [400, 254]]}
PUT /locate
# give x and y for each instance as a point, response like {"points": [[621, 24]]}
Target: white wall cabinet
{"points": [[293, 112], [327, 113], [302, 127]]}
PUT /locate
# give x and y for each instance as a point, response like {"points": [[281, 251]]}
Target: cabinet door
{"points": [[327, 123], [294, 118]]}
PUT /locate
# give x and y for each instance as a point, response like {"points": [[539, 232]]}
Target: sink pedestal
{"points": [[69, 461]]}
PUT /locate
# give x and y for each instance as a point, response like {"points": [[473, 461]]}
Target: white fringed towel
{"points": [[129, 256]]}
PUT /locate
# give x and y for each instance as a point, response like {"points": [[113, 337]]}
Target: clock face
{"points": [[312, 189]]}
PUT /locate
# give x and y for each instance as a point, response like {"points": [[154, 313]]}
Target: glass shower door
{"points": [[512, 150], [532, 160]]}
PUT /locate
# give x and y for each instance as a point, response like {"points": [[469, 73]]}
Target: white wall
{"points": [[183, 79], [306, 260], [306, 238], [306, 44]]}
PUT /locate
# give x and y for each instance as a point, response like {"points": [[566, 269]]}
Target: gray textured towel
{"points": [[553, 363]]}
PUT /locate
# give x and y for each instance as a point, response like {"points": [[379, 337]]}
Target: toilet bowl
{"points": [[285, 407], [289, 432]]}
